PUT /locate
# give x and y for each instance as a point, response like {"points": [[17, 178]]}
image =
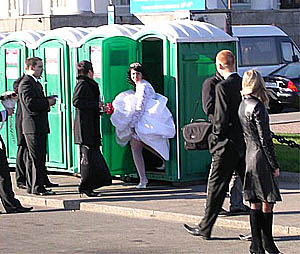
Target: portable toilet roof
{"points": [[3, 35], [112, 30], [86, 29], [257, 30], [30, 37], [117, 30], [71, 35], [186, 31]]}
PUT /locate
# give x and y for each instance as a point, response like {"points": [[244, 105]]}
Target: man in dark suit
{"points": [[10, 203], [235, 187], [226, 143], [35, 125], [22, 148]]}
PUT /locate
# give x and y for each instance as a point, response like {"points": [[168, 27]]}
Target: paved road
{"points": [[285, 117], [54, 231], [285, 122]]}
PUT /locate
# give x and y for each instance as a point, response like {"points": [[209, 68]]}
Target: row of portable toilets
{"points": [[177, 55]]}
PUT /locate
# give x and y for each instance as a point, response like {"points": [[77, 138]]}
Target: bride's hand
{"points": [[276, 172]]}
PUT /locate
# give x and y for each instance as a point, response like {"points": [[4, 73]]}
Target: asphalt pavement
{"points": [[285, 123], [161, 201], [285, 118], [59, 231]]}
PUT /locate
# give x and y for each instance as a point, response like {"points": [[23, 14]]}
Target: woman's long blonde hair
{"points": [[253, 84]]}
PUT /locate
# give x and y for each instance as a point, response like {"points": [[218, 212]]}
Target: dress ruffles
{"points": [[144, 114]]}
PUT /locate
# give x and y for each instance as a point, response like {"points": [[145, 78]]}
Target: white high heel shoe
{"points": [[141, 185]]}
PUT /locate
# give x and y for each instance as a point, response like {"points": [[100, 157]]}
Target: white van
{"points": [[263, 47]]}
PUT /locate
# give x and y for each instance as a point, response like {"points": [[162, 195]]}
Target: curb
{"points": [[283, 122], [144, 213]]}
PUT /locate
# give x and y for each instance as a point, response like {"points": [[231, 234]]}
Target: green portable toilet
{"points": [[178, 56], [14, 49], [111, 49], [58, 49]]}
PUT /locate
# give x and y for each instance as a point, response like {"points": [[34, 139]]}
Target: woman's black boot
{"points": [[256, 246], [89, 193], [267, 224]]}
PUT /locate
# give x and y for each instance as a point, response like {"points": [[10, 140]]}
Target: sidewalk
{"points": [[285, 123], [164, 202]]}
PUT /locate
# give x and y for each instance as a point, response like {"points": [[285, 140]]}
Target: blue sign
{"points": [[146, 6]]}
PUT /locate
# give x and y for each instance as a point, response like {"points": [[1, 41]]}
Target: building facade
{"points": [[16, 15]]}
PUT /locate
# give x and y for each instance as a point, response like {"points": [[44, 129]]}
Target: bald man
{"points": [[226, 143]]}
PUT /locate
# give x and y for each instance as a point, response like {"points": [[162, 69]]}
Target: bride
{"points": [[142, 118]]}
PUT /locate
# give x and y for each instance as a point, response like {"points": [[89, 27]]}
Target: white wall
{"points": [[78, 6], [4, 9]]}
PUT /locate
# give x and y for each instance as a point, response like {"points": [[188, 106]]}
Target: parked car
{"points": [[283, 87]]}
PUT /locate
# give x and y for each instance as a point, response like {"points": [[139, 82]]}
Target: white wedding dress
{"points": [[146, 113]]}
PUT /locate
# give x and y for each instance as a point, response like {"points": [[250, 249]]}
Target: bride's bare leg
{"points": [[137, 149]]}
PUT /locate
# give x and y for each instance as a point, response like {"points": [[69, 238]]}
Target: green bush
{"points": [[288, 158]]}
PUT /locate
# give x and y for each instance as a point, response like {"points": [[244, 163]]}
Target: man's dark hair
{"points": [[84, 67], [32, 61]]}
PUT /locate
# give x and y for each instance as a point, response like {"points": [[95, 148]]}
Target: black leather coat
{"points": [[260, 156]]}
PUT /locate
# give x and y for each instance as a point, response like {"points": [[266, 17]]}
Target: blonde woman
{"points": [[260, 187]]}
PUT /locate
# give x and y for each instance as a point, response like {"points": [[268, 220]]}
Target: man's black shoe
{"points": [[247, 237], [239, 210], [20, 209], [49, 184], [223, 212], [21, 186], [44, 193], [196, 231], [23, 209]]}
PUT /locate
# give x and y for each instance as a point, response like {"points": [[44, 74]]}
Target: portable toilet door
{"points": [[55, 50], [14, 49], [178, 57], [111, 49]]}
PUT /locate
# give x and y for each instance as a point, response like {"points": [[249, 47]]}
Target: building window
{"points": [[121, 2], [240, 1], [289, 4]]}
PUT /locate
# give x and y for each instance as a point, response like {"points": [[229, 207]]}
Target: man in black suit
{"points": [[35, 125], [10, 203], [22, 148], [226, 143], [235, 187]]}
